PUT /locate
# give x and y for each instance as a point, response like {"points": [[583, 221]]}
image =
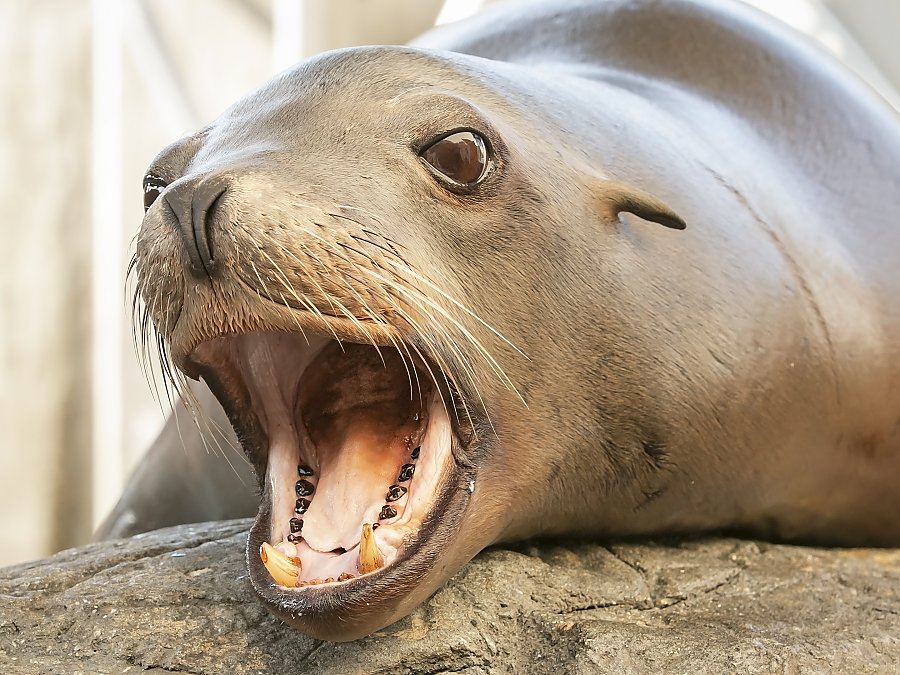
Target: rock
{"points": [[178, 600]]}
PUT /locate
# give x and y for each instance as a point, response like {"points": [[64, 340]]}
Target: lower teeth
{"points": [[370, 558], [284, 570]]}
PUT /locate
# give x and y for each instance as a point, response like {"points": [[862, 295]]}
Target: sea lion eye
{"points": [[153, 185], [462, 157]]}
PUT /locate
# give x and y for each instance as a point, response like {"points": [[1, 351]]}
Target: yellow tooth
{"points": [[284, 570], [370, 558]]}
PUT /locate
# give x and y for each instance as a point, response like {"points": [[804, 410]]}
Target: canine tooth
{"points": [[370, 558], [283, 570]]}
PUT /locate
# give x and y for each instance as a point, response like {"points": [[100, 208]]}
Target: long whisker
{"points": [[421, 297], [461, 306], [445, 369], [340, 308], [409, 293], [349, 261], [309, 305], [406, 290], [288, 287], [450, 341]]}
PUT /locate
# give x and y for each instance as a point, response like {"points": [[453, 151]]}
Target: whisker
{"points": [[451, 343], [308, 304], [409, 293], [404, 289], [290, 288], [468, 335], [461, 306]]}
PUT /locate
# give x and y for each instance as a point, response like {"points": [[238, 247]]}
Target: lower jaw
{"points": [[334, 612], [356, 608]]}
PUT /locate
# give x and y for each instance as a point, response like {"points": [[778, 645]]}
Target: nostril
{"points": [[205, 200], [194, 205]]}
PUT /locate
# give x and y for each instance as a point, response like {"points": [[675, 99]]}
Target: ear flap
{"points": [[620, 197]]}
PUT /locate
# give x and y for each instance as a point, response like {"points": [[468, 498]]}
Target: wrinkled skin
{"points": [[607, 374]]}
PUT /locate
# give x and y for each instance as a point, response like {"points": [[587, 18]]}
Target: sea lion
{"points": [[584, 268]]}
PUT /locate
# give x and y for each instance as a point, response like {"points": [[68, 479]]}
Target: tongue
{"points": [[354, 479]]}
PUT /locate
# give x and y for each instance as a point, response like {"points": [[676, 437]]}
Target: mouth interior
{"points": [[358, 443]]}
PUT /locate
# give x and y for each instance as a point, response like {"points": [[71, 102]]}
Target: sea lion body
{"points": [[618, 377], [781, 297]]}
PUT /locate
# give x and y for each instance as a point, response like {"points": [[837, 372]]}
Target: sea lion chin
{"points": [[448, 301]]}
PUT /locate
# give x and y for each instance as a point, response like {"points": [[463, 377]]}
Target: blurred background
{"points": [[92, 91]]}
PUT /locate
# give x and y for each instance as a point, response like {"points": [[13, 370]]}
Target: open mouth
{"points": [[356, 448]]}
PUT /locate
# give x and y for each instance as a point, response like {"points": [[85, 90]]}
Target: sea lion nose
{"points": [[194, 205]]}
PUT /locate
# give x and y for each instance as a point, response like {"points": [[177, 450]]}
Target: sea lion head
{"points": [[367, 263]]}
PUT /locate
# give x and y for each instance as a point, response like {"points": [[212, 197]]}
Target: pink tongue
{"points": [[354, 479]]}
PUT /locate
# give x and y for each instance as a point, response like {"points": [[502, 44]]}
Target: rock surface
{"points": [[178, 600]]}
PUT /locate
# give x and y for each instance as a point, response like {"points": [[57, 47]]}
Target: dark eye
{"points": [[462, 157], [153, 185]]}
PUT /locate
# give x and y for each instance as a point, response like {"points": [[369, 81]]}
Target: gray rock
{"points": [[178, 600]]}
